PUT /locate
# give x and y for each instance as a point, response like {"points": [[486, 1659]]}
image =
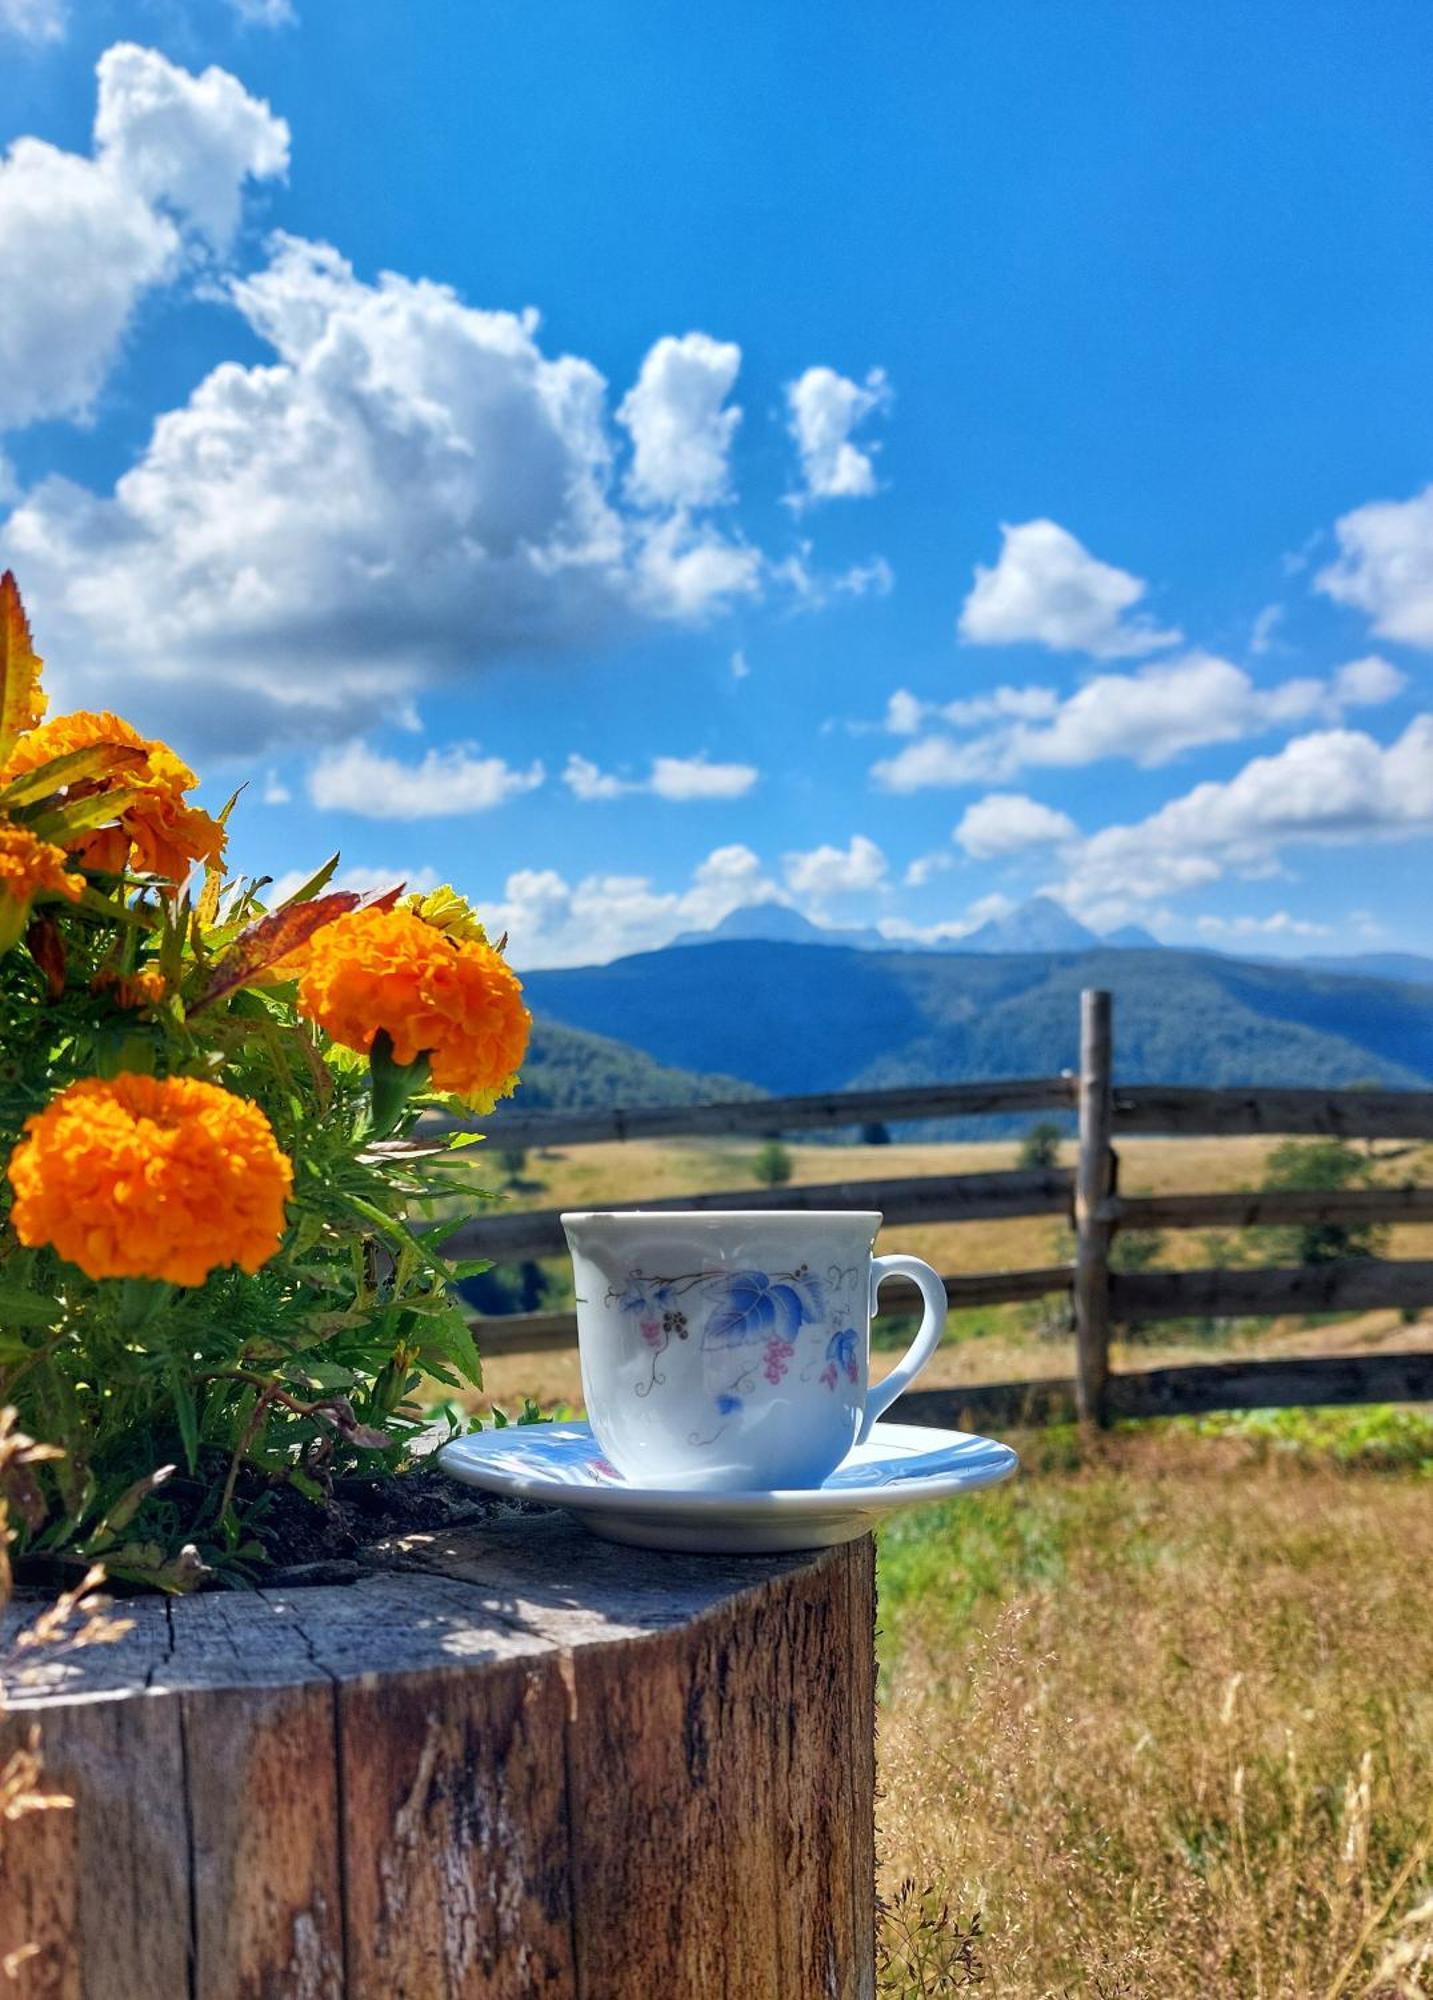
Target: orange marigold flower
{"points": [[157, 831], [132, 989], [457, 1002], [31, 867], [140, 1177]]}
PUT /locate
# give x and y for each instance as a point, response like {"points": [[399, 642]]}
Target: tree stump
{"points": [[516, 1760]]}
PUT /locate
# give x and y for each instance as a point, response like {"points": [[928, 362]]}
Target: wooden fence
{"points": [[1102, 1297]]}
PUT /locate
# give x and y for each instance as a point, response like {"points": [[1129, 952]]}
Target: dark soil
{"points": [[307, 1543]]}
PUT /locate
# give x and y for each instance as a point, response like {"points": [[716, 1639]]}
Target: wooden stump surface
{"points": [[515, 1761]]}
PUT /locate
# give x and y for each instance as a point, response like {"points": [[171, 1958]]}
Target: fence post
{"points": [[1094, 1179]]}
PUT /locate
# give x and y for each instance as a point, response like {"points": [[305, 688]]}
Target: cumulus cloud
{"points": [[84, 238], [443, 785], [34, 20], [1004, 823], [826, 871], [1331, 786], [825, 409], [677, 779], [551, 921], [680, 427], [1384, 567], [1150, 716], [1047, 589], [185, 142], [412, 488]]}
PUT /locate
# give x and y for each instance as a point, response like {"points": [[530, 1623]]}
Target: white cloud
{"points": [[813, 589], [1149, 716], [185, 142], [1384, 567], [83, 239], [740, 667], [825, 409], [1010, 823], [276, 792], [410, 490], [446, 783], [1330, 787], [1279, 924], [676, 779], [681, 430], [553, 922], [34, 20], [265, 13], [1048, 589], [835, 871], [925, 866]]}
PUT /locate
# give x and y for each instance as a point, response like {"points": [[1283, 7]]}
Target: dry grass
{"points": [[1163, 1716]]}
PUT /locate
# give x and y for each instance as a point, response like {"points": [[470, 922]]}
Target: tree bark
{"points": [[518, 1761]]}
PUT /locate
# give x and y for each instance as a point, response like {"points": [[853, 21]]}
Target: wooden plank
{"points": [[1171, 1111], [541, 1333], [770, 1117], [1356, 1284], [1263, 1208], [989, 1405], [1193, 1391], [1274, 1385], [921, 1198], [1094, 1183]]}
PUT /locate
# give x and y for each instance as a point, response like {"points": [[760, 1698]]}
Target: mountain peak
{"points": [[1041, 924]]}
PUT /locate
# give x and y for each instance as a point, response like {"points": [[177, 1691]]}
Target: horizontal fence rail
{"points": [[1263, 1208], [921, 1198], [1161, 1110], [1198, 1390], [769, 1117], [1100, 1296]]}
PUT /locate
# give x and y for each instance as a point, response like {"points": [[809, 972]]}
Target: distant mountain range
{"points": [[808, 1016], [1041, 924]]}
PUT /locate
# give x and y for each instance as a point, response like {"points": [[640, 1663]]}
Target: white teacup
{"points": [[728, 1350]]}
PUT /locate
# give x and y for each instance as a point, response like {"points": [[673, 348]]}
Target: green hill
{"points": [[793, 1017], [568, 1069]]}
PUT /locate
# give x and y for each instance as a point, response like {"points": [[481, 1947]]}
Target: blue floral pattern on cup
{"points": [[739, 1313]]}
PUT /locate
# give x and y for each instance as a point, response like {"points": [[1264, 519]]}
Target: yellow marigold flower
{"points": [[146, 1178], [459, 1003], [157, 832], [31, 867]]}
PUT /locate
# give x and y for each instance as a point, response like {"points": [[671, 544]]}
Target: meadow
{"points": [[1157, 1718]]}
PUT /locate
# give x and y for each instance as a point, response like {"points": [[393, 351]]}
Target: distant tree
{"points": [[1041, 1145], [514, 1159], [1317, 1166], [875, 1133], [773, 1165]]}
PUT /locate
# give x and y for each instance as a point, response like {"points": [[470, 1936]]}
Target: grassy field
{"points": [[988, 1344], [1161, 1718]]}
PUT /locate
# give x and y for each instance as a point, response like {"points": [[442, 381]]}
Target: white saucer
{"points": [[561, 1464]]}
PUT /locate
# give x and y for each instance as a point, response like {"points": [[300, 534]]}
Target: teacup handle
{"points": [[932, 1290]]}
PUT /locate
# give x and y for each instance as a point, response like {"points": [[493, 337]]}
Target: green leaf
{"points": [[97, 761], [19, 1307], [181, 1389], [393, 1082], [81, 815]]}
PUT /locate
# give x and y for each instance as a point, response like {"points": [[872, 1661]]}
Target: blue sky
{"points": [[888, 461]]}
